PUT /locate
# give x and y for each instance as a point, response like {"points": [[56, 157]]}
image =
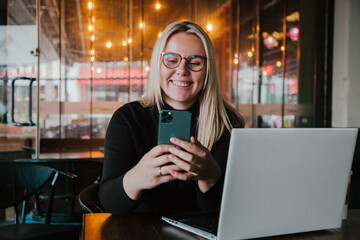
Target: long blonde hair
{"points": [[213, 116]]}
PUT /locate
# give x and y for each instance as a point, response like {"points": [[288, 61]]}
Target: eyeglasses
{"points": [[194, 62]]}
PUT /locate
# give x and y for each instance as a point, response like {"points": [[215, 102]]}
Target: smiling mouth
{"points": [[181, 84]]}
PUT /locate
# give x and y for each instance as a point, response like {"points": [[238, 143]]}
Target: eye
{"points": [[195, 61], [171, 59]]}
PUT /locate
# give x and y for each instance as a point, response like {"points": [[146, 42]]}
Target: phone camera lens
{"points": [[164, 114]]}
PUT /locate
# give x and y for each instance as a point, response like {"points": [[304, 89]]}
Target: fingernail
{"points": [[172, 150], [172, 139]]}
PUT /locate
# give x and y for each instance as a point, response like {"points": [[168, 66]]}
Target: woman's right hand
{"points": [[149, 172]]}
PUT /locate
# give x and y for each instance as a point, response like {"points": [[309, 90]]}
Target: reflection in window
{"points": [[96, 57]]}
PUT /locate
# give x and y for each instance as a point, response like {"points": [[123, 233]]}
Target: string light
{"points": [[236, 61], [90, 27], [126, 59], [92, 38], [92, 59], [129, 40], [92, 51], [209, 27], [124, 43], [250, 54], [147, 68], [98, 70], [159, 35], [282, 48], [90, 5], [278, 64], [108, 44], [157, 6], [141, 25]]}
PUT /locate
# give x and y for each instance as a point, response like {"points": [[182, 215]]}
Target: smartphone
{"points": [[173, 123]]}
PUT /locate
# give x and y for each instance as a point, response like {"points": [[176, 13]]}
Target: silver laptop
{"points": [[282, 181]]}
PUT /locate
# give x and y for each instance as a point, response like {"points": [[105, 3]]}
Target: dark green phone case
{"points": [[173, 123]]}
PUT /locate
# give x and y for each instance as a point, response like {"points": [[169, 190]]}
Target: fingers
{"points": [[159, 150], [183, 176], [181, 154], [165, 170], [165, 175], [194, 146], [184, 165], [188, 146]]}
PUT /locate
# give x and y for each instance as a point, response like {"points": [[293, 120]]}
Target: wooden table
{"points": [[103, 226]]}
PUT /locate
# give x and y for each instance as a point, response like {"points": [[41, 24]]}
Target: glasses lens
{"points": [[195, 63], [171, 60]]}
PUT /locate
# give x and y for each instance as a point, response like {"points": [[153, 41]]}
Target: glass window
{"points": [[95, 56]]}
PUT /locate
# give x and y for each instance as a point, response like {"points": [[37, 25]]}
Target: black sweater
{"points": [[131, 133]]}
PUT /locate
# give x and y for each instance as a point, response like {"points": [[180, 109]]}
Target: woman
{"points": [[138, 175]]}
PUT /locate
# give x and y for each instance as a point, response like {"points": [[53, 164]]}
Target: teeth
{"points": [[180, 84]]}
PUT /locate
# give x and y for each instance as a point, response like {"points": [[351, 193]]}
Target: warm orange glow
{"points": [[236, 61], [265, 72], [209, 27], [129, 40], [92, 38], [98, 69], [92, 51], [93, 19], [141, 25], [126, 59], [147, 68], [90, 5], [157, 6], [92, 58], [250, 54], [90, 27], [124, 43], [282, 48], [278, 64], [159, 35], [108, 44]]}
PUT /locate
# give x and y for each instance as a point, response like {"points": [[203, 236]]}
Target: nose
{"points": [[182, 69]]}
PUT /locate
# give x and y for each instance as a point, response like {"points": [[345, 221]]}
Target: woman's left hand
{"points": [[197, 162]]}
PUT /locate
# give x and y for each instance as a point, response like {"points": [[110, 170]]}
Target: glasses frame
{"points": [[186, 60]]}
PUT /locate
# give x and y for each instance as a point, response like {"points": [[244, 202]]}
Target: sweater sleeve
{"points": [[210, 201], [119, 158]]}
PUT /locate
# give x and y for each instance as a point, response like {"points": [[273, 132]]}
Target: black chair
{"points": [[18, 183], [89, 199], [88, 170]]}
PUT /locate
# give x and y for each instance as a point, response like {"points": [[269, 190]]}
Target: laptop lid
{"points": [[281, 181]]}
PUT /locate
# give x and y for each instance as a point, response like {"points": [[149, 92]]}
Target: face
{"points": [[180, 86]]}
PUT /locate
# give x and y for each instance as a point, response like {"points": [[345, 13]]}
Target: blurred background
{"points": [[275, 60]]}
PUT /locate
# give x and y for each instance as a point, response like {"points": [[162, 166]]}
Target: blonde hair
{"points": [[213, 116]]}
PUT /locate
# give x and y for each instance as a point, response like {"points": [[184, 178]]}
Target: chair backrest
{"points": [[89, 199], [20, 180], [17, 177]]}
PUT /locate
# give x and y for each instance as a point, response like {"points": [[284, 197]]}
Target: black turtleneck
{"points": [[132, 132]]}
